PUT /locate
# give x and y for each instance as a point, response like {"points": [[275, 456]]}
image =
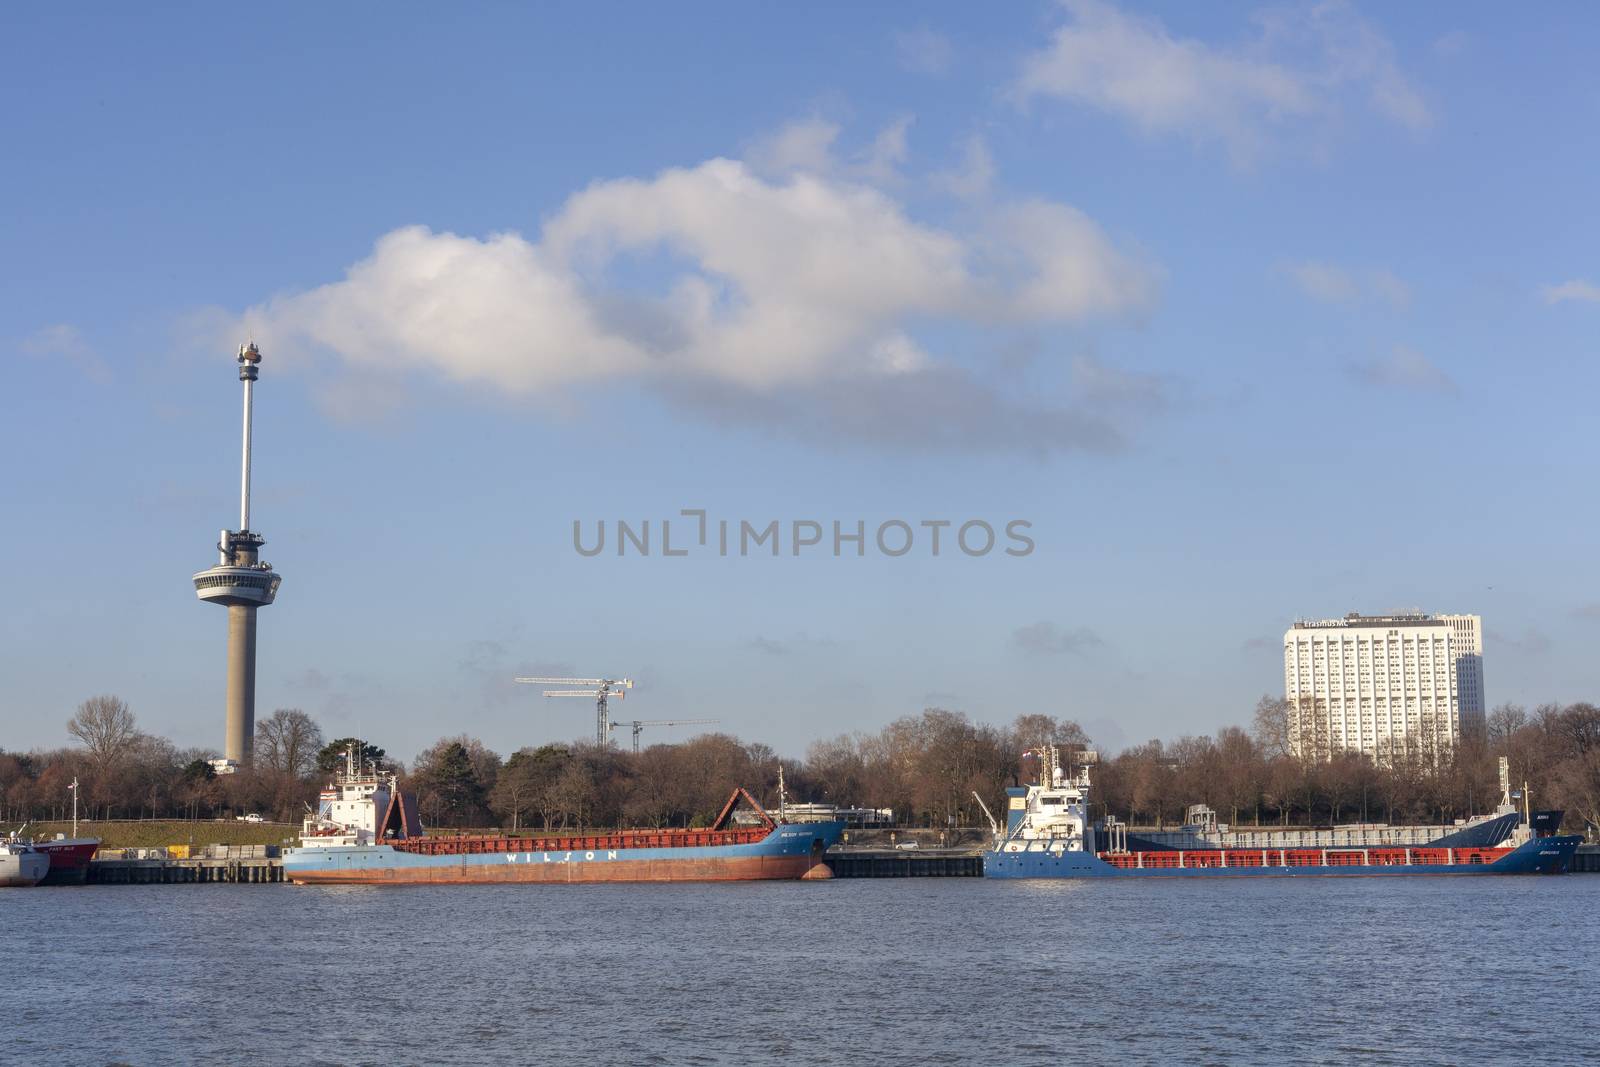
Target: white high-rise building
{"points": [[1466, 635], [1382, 685]]}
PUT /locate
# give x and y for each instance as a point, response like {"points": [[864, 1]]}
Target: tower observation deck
{"points": [[241, 582]]}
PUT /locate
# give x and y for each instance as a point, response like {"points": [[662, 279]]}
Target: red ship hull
{"points": [[69, 859], [1285, 858]]}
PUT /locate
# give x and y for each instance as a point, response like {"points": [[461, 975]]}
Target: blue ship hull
{"points": [[1550, 855]]}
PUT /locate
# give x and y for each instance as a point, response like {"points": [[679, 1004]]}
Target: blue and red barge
{"points": [[1048, 835], [366, 831]]}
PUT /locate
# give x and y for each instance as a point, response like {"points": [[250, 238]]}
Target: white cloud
{"points": [[923, 51], [66, 343], [1577, 289], [1336, 285], [805, 144], [495, 311], [1055, 263], [809, 146], [973, 177], [1404, 368], [1323, 281], [1356, 56], [1129, 65], [1388, 287], [882, 161], [803, 287]]}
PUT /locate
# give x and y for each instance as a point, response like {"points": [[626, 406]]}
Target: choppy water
{"points": [[1413, 971]]}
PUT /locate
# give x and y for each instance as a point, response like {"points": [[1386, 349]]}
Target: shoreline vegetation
{"points": [[159, 833], [925, 767]]}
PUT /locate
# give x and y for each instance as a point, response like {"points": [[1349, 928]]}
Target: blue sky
{"points": [[1252, 312]]}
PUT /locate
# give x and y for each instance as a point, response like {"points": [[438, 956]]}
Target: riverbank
{"points": [[159, 833]]}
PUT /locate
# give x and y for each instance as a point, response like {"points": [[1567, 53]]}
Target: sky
{"points": [[1243, 313]]}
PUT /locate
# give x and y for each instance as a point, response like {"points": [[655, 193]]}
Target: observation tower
{"points": [[242, 583]]}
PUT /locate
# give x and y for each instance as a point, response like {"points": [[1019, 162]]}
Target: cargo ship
{"points": [[366, 831], [1509, 822], [1048, 835]]}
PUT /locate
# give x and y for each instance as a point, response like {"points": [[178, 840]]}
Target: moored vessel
{"points": [[366, 830], [1048, 835], [1510, 823], [20, 863], [69, 858]]}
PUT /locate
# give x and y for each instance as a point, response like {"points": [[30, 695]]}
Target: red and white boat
{"points": [[69, 858]]}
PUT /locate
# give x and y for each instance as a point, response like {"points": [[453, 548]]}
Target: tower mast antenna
{"points": [[249, 369]]}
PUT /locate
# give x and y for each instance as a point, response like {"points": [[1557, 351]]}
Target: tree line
{"points": [[1251, 776], [926, 767]]}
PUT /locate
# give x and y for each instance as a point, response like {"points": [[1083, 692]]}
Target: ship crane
{"points": [[640, 724], [598, 690]]}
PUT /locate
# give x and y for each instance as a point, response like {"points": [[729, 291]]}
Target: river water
{"points": [[1317, 970]]}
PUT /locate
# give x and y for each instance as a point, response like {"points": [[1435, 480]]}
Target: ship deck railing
{"points": [[1305, 857], [618, 839]]}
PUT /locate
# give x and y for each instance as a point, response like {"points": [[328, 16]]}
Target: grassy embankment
{"points": [[157, 833]]}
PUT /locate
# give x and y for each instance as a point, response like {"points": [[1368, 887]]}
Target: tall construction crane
{"points": [[640, 724], [598, 690]]}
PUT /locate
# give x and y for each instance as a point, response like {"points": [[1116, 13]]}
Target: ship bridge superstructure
{"points": [[1053, 814], [362, 806]]}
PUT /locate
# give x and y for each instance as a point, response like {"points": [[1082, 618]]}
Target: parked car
{"points": [[252, 817], [906, 846]]}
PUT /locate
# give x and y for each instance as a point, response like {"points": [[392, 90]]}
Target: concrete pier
{"points": [[921, 863], [258, 871]]}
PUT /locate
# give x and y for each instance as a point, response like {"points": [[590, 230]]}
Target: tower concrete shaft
{"points": [[243, 584], [241, 730]]}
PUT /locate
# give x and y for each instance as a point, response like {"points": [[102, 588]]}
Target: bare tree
{"points": [[1504, 721], [658, 790], [287, 741], [1310, 728], [106, 728], [1240, 772], [837, 767], [1271, 726], [1036, 730]]}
